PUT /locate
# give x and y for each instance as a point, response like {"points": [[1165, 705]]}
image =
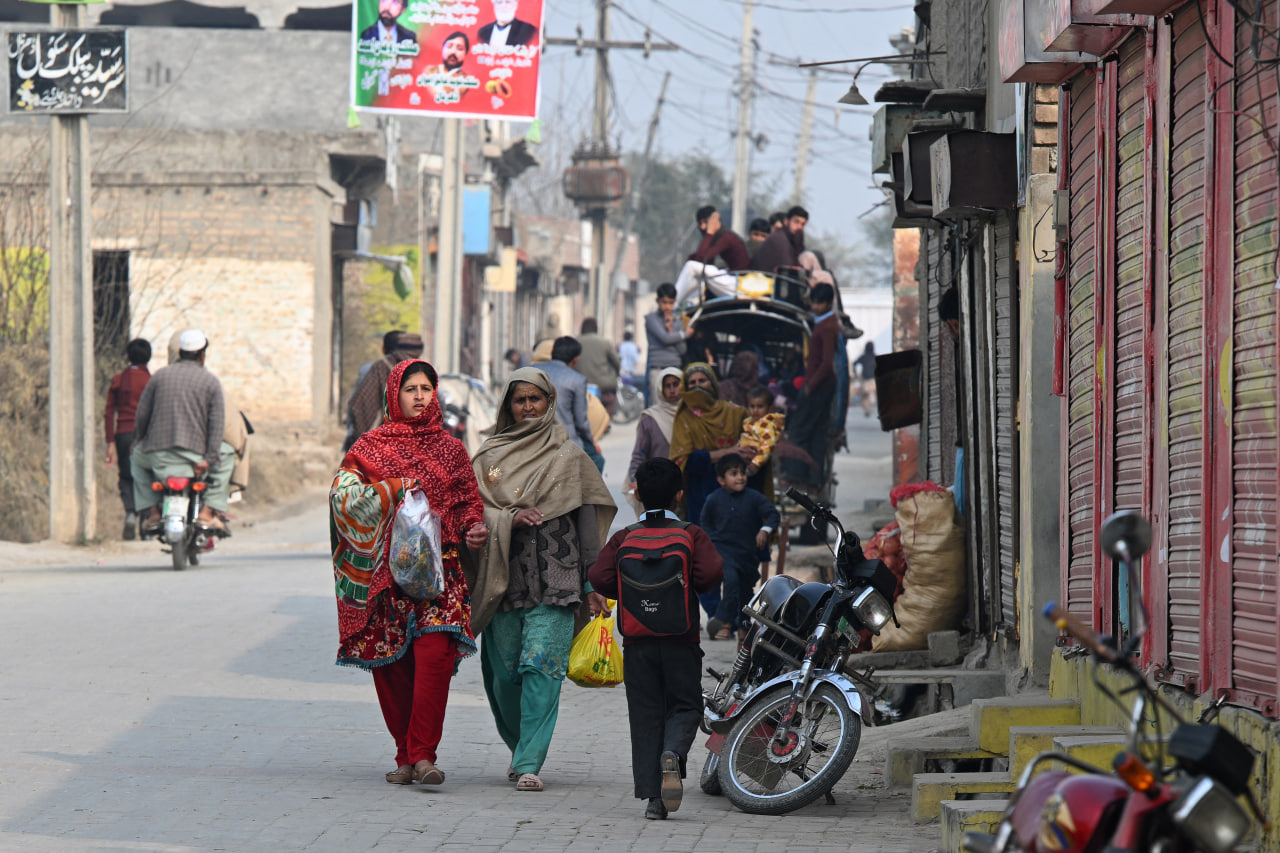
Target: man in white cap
{"points": [[178, 430]]}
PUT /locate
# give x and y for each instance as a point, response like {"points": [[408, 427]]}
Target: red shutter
{"points": [[1130, 433], [1252, 383], [1185, 360], [1081, 353]]}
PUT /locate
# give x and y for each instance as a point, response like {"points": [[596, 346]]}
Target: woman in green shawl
{"points": [[548, 512]]}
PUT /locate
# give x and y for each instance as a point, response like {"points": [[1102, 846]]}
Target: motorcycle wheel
{"points": [[709, 781], [758, 783], [193, 557], [179, 557]]}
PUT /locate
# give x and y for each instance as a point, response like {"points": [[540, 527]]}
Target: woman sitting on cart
{"points": [[706, 428]]}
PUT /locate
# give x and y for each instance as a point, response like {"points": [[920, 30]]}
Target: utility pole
{"points": [[72, 448], [600, 298], [742, 164], [444, 317], [637, 186], [806, 131]]}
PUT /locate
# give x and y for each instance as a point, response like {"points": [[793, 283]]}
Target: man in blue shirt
{"points": [[571, 393]]}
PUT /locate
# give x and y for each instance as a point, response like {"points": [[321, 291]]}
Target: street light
{"points": [[853, 96]]}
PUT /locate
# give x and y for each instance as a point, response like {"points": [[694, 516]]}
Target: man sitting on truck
{"points": [[717, 241]]}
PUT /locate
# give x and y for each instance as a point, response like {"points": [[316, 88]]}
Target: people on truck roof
{"points": [[717, 242], [783, 246], [756, 235]]}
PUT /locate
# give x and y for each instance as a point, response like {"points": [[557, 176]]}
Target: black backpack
{"points": [[655, 582]]}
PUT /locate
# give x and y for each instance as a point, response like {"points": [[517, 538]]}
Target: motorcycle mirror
{"points": [[1125, 535]]}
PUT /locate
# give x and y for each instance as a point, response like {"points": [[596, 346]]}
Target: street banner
{"points": [[460, 58], [67, 71]]}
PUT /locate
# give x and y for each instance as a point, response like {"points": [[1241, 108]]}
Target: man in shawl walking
{"points": [[365, 409]]}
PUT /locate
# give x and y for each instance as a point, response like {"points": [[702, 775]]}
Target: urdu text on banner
{"points": [[461, 58]]}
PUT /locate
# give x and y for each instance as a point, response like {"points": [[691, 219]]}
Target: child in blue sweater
{"points": [[739, 520]]}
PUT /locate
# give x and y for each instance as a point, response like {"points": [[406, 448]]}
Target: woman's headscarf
{"points": [[703, 420], [389, 459], [744, 374], [662, 412], [530, 463]]}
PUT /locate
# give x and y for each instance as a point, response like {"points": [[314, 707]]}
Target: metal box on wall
{"points": [[917, 183], [973, 171], [1079, 25], [1024, 31], [888, 127]]}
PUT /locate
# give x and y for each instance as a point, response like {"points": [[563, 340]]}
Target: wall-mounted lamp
{"points": [[853, 96]]}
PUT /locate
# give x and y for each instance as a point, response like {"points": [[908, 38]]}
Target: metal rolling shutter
{"points": [[1253, 377], [1130, 434], [1081, 354], [1186, 357], [1005, 397]]}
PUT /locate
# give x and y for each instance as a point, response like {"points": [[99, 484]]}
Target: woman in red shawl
{"points": [[411, 647]]}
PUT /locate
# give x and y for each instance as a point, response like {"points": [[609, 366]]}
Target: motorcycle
{"points": [[630, 402], [785, 722], [180, 527], [1168, 796]]}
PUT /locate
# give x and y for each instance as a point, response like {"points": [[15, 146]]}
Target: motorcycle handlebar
{"points": [[1082, 632], [804, 500]]}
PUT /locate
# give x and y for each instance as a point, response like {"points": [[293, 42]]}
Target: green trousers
{"points": [[524, 655], [176, 462]]}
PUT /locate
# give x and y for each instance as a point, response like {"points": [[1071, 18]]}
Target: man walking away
{"points": [[571, 394], [600, 363], [122, 408], [365, 408], [180, 421], [807, 428], [389, 341], [717, 241]]}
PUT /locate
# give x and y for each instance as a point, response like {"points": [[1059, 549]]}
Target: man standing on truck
{"points": [[807, 428], [717, 241]]}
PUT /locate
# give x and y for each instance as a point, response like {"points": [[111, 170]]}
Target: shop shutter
{"points": [[1005, 343], [1131, 429], [1186, 357], [1081, 352], [1253, 377]]}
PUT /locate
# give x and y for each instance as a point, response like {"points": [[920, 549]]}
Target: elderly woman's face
{"points": [[698, 379], [528, 401], [416, 392], [671, 389]]}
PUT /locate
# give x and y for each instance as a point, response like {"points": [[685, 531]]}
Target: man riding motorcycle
{"points": [[179, 429]]}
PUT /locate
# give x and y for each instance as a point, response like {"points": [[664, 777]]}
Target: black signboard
{"points": [[67, 71]]}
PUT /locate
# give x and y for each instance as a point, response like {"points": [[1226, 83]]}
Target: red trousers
{"points": [[413, 692]]}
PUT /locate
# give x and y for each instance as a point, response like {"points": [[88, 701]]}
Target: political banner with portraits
{"points": [[463, 58]]}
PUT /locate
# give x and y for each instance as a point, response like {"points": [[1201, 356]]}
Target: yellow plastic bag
{"points": [[595, 660]]}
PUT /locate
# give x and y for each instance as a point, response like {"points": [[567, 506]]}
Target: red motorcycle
{"points": [[1178, 796]]}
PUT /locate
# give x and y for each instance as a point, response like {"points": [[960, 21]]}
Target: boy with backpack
{"points": [[739, 520], [654, 569]]}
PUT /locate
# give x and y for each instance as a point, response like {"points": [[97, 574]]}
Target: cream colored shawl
{"points": [[532, 464]]}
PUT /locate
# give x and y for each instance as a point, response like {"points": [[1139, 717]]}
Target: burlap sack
{"points": [[933, 595]]}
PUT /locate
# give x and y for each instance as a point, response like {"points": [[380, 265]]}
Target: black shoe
{"points": [[655, 810], [130, 527], [672, 788]]}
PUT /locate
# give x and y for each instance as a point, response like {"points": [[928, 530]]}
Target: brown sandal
{"points": [[426, 773], [724, 634], [529, 782]]}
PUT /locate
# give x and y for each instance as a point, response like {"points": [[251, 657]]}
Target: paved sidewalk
{"points": [[143, 709]]}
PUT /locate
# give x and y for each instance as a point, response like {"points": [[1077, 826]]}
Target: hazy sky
{"points": [[701, 108]]}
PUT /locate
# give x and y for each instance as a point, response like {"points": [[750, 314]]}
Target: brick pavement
{"points": [[148, 710]]}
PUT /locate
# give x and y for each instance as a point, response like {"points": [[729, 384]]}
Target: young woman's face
{"points": [[671, 389], [528, 402], [416, 392]]}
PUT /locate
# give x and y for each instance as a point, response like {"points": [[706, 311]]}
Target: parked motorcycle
{"points": [[1172, 796], [630, 401], [180, 528], [785, 722]]}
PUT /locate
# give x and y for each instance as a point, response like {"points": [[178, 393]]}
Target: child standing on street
{"points": [[663, 674], [738, 520]]}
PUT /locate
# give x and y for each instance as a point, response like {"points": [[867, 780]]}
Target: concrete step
{"points": [[1026, 742], [953, 687], [932, 788], [992, 718], [961, 816], [1097, 749], [911, 755]]}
